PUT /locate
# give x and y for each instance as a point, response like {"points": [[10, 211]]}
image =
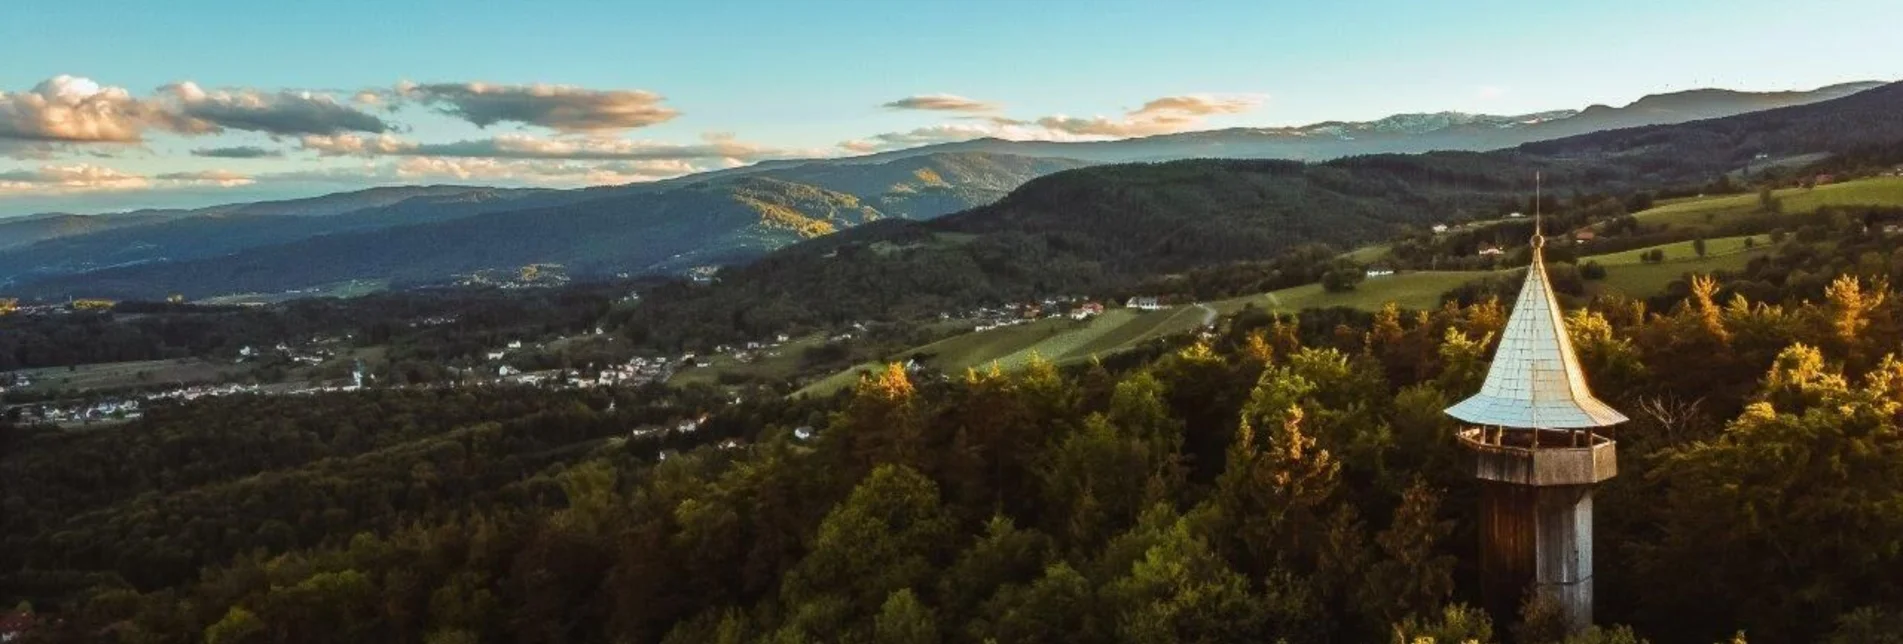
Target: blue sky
{"points": [[756, 80]]}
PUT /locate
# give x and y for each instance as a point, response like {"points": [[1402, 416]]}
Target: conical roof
{"points": [[1535, 381]]}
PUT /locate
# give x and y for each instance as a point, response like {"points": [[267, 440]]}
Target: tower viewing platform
{"points": [[1561, 457]]}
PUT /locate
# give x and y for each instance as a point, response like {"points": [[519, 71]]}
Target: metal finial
{"points": [[1539, 233]]}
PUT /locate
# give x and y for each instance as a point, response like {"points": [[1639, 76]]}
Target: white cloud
{"points": [[285, 112], [85, 177], [1490, 92], [564, 108], [942, 103], [73, 109], [62, 179], [524, 146]]}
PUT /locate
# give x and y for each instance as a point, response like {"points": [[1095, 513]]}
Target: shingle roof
{"points": [[1535, 381]]}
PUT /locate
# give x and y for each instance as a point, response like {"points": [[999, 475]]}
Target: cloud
{"points": [[1198, 105], [538, 172], [1490, 92], [523, 146], [563, 108], [237, 152], [221, 178], [84, 177], [288, 113], [942, 103], [1166, 115], [73, 109], [60, 179]]}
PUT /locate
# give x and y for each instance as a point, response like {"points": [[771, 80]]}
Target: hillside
{"points": [[204, 253], [1103, 228]]}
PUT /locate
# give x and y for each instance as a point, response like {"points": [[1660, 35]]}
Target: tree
{"points": [[903, 620], [1343, 278], [1592, 270], [239, 626], [1698, 246], [883, 538], [1768, 201]]}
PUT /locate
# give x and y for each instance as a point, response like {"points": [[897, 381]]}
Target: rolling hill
{"points": [[425, 237], [1104, 228]]}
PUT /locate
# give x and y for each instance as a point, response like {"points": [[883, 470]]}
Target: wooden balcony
{"points": [[1540, 458]]}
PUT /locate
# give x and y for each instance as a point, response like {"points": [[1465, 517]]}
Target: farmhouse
{"points": [[1380, 272], [1144, 303], [1086, 310]]}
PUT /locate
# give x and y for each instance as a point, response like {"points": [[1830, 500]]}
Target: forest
{"points": [[1282, 478]]}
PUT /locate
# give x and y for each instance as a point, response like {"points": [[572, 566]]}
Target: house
{"points": [[515, 344], [1492, 251], [496, 355], [1380, 272], [1144, 303], [1584, 236], [506, 371], [1086, 310], [1514, 215], [1439, 228], [803, 432], [782, 338]]}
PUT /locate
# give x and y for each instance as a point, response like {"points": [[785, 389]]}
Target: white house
{"points": [[1440, 228], [1144, 303], [1380, 272]]}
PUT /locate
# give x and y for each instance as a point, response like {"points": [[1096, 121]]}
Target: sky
{"points": [[111, 105]]}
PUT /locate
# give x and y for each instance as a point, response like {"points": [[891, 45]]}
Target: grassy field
{"points": [[117, 375], [1702, 212], [1627, 274], [353, 288], [1059, 340], [1419, 289], [784, 364], [1368, 254]]}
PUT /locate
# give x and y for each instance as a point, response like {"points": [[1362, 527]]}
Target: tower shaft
{"points": [[1537, 540]]}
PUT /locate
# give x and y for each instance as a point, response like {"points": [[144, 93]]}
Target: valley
{"points": [[976, 392]]}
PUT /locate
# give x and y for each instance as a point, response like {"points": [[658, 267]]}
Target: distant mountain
{"points": [[1404, 133], [640, 228]]}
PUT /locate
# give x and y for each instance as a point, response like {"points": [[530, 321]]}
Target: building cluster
{"points": [[1072, 306], [311, 354], [531, 276]]}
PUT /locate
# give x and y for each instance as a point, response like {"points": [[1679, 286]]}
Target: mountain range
{"points": [[429, 233]]}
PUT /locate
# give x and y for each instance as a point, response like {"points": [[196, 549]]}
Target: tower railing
{"points": [[1540, 456]]}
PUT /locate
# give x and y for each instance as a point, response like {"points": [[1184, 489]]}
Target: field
{"points": [[1701, 212], [783, 364], [1419, 290], [353, 288], [1627, 274], [115, 375], [1059, 340]]}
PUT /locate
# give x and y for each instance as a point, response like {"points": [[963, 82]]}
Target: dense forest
{"points": [[1282, 478]]}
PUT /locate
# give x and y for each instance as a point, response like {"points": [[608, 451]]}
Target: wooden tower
{"points": [[1531, 433]]}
